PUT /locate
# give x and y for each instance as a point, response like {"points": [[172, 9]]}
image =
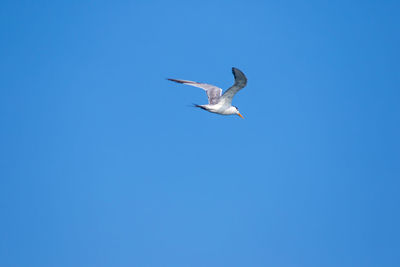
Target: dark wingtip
{"points": [[239, 75], [234, 70], [173, 80]]}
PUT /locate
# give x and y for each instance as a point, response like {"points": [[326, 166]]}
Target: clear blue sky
{"points": [[103, 162]]}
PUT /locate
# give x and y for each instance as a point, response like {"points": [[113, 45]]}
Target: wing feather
{"points": [[213, 92], [240, 83]]}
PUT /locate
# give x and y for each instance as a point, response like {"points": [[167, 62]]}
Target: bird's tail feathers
{"points": [[199, 106]]}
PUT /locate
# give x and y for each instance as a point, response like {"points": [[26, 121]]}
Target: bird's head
{"points": [[238, 113]]}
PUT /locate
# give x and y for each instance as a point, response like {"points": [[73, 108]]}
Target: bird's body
{"points": [[219, 108], [220, 103]]}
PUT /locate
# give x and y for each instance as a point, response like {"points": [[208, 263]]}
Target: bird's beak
{"points": [[240, 115]]}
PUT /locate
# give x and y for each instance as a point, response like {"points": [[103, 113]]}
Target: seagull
{"points": [[217, 102]]}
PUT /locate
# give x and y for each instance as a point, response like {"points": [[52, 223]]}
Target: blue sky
{"points": [[103, 162]]}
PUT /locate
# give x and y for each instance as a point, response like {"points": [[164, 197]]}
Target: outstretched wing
{"points": [[213, 92], [240, 82]]}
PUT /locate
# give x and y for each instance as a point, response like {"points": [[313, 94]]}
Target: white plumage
{"points": [[217, 102]]}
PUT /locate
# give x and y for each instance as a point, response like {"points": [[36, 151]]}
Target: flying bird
{"points": [[217, 102]]}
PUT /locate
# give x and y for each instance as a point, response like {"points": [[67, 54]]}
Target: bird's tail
{"points": [[199, 106]]}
